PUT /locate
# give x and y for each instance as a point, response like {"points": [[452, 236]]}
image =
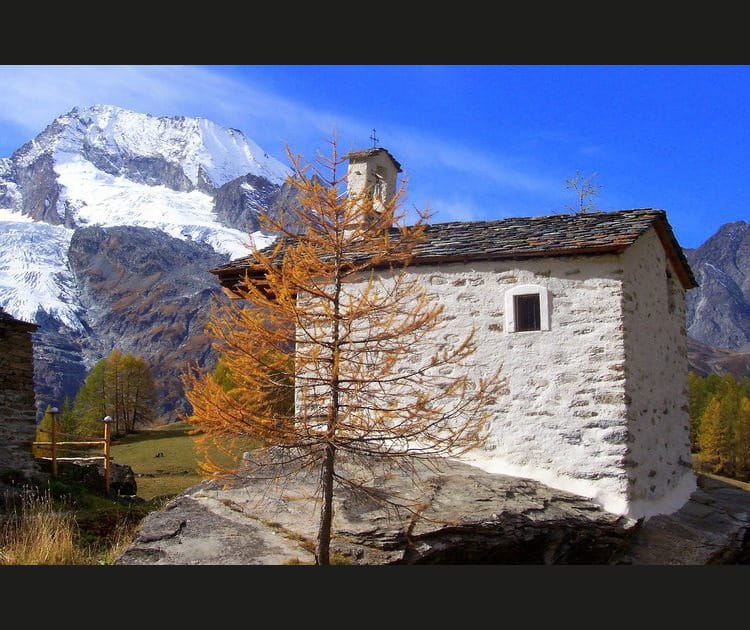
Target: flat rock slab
{"points": [[713, 527], [459, 514], [194, 530]]}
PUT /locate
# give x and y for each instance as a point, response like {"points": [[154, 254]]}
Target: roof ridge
{"points": [[554, 215]]}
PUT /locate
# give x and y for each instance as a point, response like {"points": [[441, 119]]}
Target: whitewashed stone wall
{"points": [[562, 418], [362, 174], [659, 464], [596, 402]]}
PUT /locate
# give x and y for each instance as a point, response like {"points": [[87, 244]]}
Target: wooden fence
{"points": [[55, 446]]}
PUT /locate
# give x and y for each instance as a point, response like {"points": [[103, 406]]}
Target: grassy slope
{"points": [[167, 475], [159, 476]]}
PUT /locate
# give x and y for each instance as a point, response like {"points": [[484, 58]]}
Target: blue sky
{"points": [[475, 142]]}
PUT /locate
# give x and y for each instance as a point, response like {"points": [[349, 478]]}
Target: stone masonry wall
{"points": [[659, 464], [562, 418], [17, 409]]}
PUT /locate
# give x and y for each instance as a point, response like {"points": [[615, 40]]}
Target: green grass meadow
{"points": [[171, 473]]}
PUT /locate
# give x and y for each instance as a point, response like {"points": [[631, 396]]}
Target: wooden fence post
{"points": [[53, 413], [107, 420]]}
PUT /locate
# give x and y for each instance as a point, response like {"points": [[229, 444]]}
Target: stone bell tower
{"points": [[373, 171]]}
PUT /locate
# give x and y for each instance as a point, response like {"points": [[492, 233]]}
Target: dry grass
{"points": [[37, 532], [122, 537]]}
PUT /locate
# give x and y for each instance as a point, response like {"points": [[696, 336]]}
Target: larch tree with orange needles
{"points": [[333, 348]]}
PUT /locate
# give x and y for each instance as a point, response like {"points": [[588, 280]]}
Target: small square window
{"points": [[527, 312], [527, 307]]}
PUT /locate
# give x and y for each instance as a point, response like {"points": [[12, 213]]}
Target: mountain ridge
{"points": [[718, 311], [66, 197]]}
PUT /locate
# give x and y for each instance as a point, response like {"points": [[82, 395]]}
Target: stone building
{"points": [[586, 315], [17, 407]]}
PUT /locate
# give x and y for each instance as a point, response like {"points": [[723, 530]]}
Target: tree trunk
{"points": [[322, 555]]}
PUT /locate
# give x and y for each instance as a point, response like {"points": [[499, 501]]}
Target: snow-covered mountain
{"points": [[106, 167]]}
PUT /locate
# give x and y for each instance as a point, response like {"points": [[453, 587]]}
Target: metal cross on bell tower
{"points": [[374, 139]]}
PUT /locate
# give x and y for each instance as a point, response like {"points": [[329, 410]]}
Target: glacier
{"points": [[34, 272], [98, 198], [195, 144]]}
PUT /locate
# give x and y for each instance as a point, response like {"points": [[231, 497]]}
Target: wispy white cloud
{"points": [[419, 149], [32, 96]]}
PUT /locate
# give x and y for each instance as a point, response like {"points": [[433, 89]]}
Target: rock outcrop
{"points": [[467, 516], [713, 527], [122, 482]]}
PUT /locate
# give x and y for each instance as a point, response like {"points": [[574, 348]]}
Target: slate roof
{"points": [[530, 237]]}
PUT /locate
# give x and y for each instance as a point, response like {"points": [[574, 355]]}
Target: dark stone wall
{"points": [[17, 409]]}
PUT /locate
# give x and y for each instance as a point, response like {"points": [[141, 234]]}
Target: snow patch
{"points": [[34, 272], [196, 145], [714, 268], [98, 198], [721, 277]]}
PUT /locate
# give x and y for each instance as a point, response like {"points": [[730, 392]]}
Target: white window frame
{"points": [[544, 306]]}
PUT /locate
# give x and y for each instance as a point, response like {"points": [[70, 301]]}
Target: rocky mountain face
{"points": [[148, 294], [109, 220], [718, 311]]}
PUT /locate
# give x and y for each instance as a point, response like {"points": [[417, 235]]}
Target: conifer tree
{"points": [[742, 441], [332, 320], [66, 420], [91, 403], [120, 386], [43, 434], [714, 439]]}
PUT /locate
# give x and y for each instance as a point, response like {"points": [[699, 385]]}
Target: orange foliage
{"points": [[332, 317]]}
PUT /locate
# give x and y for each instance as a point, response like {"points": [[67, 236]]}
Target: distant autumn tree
{"points": [[584, 189], [333, 349], [120, 386], [742, 440], [64, 427], [715, 438]]}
